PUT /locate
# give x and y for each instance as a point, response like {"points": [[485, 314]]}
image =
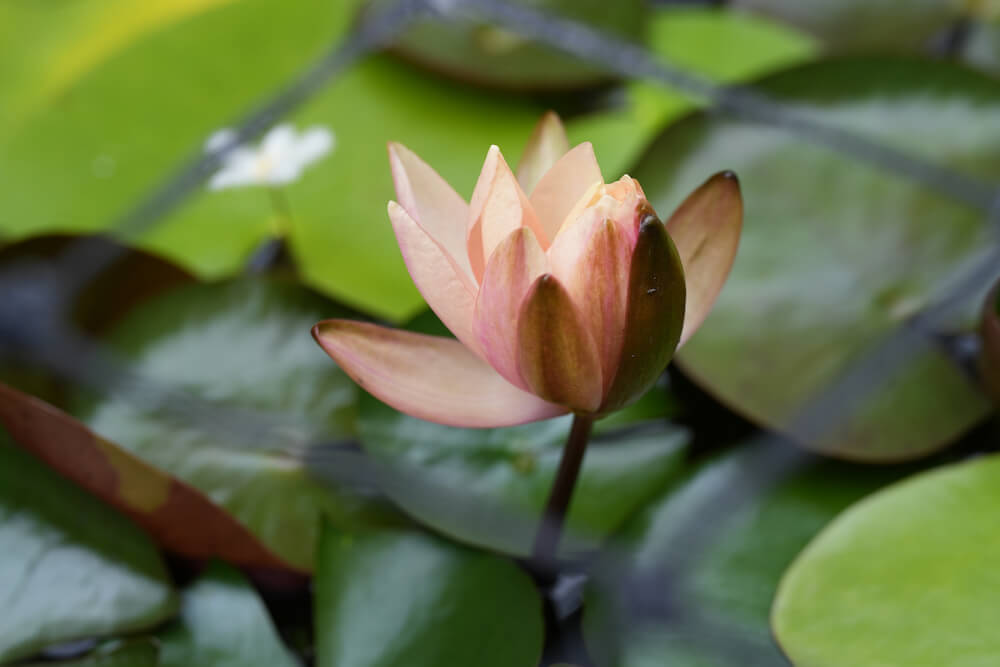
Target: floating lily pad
{"points": [[109, 114], [836, 252], [223, 624], [716, 614], [391, 598], [856, 25], [70, 567], [262, 389], [905, 577], [490, 55]]}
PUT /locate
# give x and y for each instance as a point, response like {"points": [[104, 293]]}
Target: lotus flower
{"points": [[565, 293], [280, 159]]}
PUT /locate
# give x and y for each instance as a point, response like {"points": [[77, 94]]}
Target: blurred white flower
{"points": [[279, 159]]}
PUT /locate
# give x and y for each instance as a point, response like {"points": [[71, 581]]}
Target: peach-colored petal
{"points": [[591, 259], [706, 230], [654, 316], [547, 144], [556, 352], [510, 273], [563, 185], [443, 285], [428, 377], [498, 207], [431, 202]]}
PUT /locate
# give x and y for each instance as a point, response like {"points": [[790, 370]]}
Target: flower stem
{"points": [[550, 530], [282, 212]]}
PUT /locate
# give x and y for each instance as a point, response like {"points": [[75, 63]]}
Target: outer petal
{"points": [[591, 259], [428, 377], [563, 185], [547, 144], [512, 270], [430, 201], [498, 207], [654, 317], [443, 285], [706, 230], [556, 353]]}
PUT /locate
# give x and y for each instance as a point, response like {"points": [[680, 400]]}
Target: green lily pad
{"points": [[243, 346], [70, 567], [510, 471], [90, 143], [905, 577], [836, 252], [858, 25], [223, 624], [391, 598], [730, 586]]}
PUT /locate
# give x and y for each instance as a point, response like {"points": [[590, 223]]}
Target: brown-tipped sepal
{"points": [[557, 355], [654, 315]]}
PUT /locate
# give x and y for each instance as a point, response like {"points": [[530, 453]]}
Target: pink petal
{"points": [[429, 200], [510, 273], [428, 377], [498, 207], [445, 288], [591, 258], [556, 352], [547, 144], [563, 185], [706, 230]]}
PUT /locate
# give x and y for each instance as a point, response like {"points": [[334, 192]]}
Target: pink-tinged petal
{"points": [[706, 230], [428, 377], [654, 316], [513, 267], [498, 207], [431, 202], [445, 288], [591, 259], [547, 144], [556, 352], [563, 185]]}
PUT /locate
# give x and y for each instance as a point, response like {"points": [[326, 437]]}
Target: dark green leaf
{"points": [[244, 347], [836, 252], [406, 599], [223, 624]]}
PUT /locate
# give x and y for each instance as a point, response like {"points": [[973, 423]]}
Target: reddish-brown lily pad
{"points": [[179, 517], [836, 252]]}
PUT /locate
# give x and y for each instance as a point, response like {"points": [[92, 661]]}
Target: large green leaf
{"points": [[243, 346], [905, 577], [223, 624], [70, 567], [104, 135], [390, 598], [856, 25], [724, 600], [836, 252]]}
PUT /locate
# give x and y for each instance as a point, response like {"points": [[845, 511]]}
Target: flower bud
{"points": [[566, 293]]}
